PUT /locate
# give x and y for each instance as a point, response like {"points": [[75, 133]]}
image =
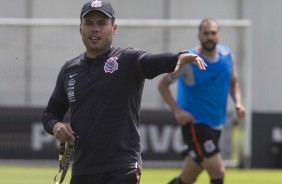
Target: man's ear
{"points": [[80, 26], [114, 29]]}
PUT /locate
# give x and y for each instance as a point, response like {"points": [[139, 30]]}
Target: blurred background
{"points": [[38, 36]]}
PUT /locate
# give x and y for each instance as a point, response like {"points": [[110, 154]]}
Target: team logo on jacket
{"points": [[111, 65]]}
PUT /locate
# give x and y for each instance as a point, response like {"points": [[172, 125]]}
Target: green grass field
{"points": [[45, 175]]}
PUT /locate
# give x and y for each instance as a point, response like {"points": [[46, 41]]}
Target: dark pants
{"points": [[124, 176]]}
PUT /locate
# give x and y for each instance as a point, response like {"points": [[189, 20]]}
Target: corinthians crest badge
{"points": [[111, 65], [96, 4]]}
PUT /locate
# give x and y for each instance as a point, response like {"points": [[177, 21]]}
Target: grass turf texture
{"points": [[45, 175]]}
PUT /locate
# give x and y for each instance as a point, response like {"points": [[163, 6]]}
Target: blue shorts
{"points": [[201, 139]]}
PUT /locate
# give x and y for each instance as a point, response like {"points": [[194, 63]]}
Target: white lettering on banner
{"points": [[39, 137], [277, 135], [161, 139], [177, 140]]}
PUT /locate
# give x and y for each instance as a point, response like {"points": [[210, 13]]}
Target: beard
{"points": [[208, 45]]}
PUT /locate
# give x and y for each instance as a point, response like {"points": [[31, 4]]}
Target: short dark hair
{"points": [[207, 20]]}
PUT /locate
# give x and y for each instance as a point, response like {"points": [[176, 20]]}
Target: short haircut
{"points": [[205, 21]]}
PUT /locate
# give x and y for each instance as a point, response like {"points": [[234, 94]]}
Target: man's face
{"points": [[97, 31], [209, 36]]}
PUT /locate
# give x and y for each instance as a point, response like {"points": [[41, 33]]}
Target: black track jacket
{"points": [[104, 96]]}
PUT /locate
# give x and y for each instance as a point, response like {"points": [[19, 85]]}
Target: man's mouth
{"points": [[209, 42], [94, 38]]}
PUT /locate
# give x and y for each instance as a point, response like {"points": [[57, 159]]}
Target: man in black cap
{"points": [[103, 88]]}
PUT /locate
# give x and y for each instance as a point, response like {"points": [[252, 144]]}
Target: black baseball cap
{"points": [[99, 5]]}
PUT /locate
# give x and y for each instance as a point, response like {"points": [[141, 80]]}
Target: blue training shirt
{"points": [[205, 96]]}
